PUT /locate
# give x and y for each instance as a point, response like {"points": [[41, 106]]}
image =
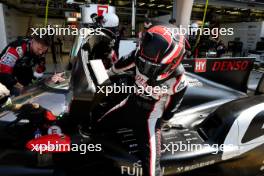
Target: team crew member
{"points": [[19, 57], [157, 62]]}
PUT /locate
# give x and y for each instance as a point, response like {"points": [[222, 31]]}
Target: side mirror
{"points": [[260, 87]]}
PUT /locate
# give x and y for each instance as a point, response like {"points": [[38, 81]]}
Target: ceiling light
{"points": [[151, 5], [199, 5], [169, 7], [71, 19], [162, 5], [141, 4]]}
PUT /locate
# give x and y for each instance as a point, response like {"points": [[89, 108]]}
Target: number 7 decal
{"points": [[102, 9]]}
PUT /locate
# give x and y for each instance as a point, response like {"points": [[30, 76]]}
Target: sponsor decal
{"points": [[54, 130], [194, 82], [200, 65], [195, 166], [181, 86], [230, 65], [102, 9], [135, 169], [9, 60], [19, 51]]}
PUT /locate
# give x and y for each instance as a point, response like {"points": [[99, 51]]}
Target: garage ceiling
{"points": [[226, 10]]}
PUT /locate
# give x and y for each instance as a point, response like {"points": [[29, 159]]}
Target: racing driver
{"points": [[157, 64]]}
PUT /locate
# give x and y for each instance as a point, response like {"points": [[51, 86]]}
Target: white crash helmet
{"points": [[111, 20]]}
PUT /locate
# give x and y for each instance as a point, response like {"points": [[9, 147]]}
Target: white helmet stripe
{"points": [[165, 60]]}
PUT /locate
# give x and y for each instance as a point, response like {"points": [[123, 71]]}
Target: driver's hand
{"points": [[19, 106], [110, 72], [4, 92], [58, 78]]}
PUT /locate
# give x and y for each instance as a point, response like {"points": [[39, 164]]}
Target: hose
{"points": [[46, 13]]}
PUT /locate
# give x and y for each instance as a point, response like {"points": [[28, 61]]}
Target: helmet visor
{"points": [[150, 69]]}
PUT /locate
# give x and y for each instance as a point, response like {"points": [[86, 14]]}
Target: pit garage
{"points": [[139, 87]]}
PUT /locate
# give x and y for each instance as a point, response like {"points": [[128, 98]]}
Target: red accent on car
{"points": [[230, 65], [50, 116], [52, 143]]}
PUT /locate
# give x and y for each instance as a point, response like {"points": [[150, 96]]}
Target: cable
{"points": [[46, 13], [204, 17]]}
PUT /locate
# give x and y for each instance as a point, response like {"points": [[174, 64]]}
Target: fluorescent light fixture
{"points": [[199, 5], [78, 15], [142, 3], [234, 13], [151, 5], [169, 7], [71, 19], [152, 0], [161, 5]]}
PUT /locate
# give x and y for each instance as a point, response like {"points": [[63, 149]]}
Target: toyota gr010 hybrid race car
{"points": [[217, 131]]}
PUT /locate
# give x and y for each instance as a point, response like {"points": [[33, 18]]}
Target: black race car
{"points": [[217, 131]]}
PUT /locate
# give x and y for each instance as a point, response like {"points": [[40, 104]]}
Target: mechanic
{"points": [[106, 51], [111, 22], [157, 62], [147, 25], [19, 57]]}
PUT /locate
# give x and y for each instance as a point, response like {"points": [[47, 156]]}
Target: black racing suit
{"points": [[16, 62], [143, 111]]}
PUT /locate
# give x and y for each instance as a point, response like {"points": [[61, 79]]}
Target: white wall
{"points": [[18, 24], [164, 18], [248, 32], [15, 24], [262, 31], [3, 41]]}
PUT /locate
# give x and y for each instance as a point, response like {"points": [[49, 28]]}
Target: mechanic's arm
{"points": [[123, 64], [7, 63]]}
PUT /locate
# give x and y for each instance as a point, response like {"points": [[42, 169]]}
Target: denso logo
{"points": [[230, 65]]}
